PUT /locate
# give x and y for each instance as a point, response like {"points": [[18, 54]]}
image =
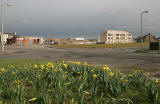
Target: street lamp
{"points": [[2, 23], [142, 27]]}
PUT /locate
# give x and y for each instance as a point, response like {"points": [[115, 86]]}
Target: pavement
{"points": [[121, 58]]}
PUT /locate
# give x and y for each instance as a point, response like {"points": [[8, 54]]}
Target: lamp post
{"points": [[142, 27], [2, 23]]}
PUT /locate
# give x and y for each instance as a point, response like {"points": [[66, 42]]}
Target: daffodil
{"points": [[86, 92], [13, 73], [130, 75], [3, 69], [157, 80], [78, 63], [65, 65], [95, 76], [85, 63], [33, 99], [105, 67], [35, 66], [72, 101], [42, 67], [49, 90], [111, 74], [126, 80]]}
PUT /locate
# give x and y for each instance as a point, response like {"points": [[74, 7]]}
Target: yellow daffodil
{"points": [[42, 67], [49, 90], [85, 63], [72, 101], [33, 99], [78, 63], [3, 69], [65, 65], [111, 74], [105, 67], [86, 92], [157, 80], [13, 73], [95, 76], [126, 80], [35, 66], [130, 75]]}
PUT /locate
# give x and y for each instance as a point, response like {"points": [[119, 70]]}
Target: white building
{"points": [[78, 38], [114, 36], [3, 38]]}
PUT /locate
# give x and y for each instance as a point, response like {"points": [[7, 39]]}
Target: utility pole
{"points": [[2, 27], [142, 27]]}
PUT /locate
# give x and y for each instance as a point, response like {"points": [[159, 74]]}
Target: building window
{"points": [[117, 34], [109, 34], [122, 34], [109, 38], [117, 38]]}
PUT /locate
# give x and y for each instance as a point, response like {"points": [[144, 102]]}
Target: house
{"points": [[146, 38], [158, 39], [149, 38], [115, 36]]}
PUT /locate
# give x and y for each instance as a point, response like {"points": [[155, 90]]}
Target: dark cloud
{"points": [[64, 18]]}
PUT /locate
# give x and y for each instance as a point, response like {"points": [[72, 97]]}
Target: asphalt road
{"points": [[121, 58]]}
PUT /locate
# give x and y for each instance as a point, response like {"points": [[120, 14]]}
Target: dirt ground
{"points": [[124, 59]]}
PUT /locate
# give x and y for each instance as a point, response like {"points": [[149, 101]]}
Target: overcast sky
{"points": [[81, 18]]}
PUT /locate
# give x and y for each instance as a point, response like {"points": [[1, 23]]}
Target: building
{"points": [[52, 41], [23, 40], [11, 35], [6, 36], [78, 38], [114, 36], [3, 38], [149, 38], [158, 39]]}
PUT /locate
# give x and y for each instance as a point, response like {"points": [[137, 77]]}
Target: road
{"points": [[121, 58]]}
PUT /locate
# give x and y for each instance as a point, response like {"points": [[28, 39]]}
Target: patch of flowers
{"points": [[75, 83]]}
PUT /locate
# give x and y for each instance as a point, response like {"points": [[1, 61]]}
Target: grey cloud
{"points": [[81, 16]]}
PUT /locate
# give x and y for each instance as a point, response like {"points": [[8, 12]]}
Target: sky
{"points": [[80, 18]]}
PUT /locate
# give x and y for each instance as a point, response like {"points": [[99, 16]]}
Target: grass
{"points": [[27, 62], [99, 45], [26, 81], [147, 50], [144, 50]]}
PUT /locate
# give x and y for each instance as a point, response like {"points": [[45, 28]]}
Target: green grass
{"points": [[142, 50], [99, 45], [22, 62]]}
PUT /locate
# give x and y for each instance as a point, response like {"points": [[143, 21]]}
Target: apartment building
{"points": [[3, 38], [115, 36]]}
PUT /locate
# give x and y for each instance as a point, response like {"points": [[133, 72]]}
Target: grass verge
{"points": [[99, 45]]}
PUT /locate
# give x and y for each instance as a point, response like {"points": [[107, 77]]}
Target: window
{"points": [[109, 34], [117, 38], [109, 38], [122, 34], [117, 34]]}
